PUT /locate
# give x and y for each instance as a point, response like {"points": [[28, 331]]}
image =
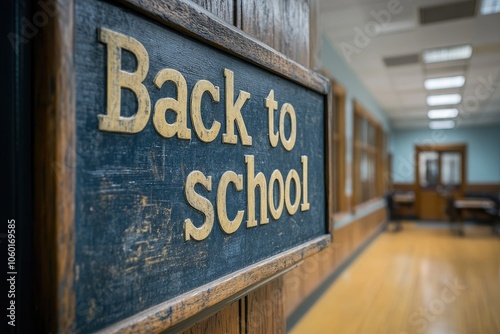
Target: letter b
{"points": [[118, 79]]}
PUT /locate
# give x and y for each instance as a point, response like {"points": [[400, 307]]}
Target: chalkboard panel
{"points": [[136, 187]]}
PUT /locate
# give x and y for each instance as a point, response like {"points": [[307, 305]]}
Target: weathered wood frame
{"points": [[55, 109]]}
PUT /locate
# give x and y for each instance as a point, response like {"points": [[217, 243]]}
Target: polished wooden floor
{"points": [[419, 280]]}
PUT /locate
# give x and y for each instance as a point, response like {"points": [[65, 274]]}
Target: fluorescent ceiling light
{"points": [[439, 125], [490, 7], [441, 100], [442, 83], [447, 54], [442, 113]]}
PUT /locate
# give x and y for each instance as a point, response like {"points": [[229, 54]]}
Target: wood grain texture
{"points": [[263, 20], [314, 35], [225, 9], [182, 16], [225, 321], [281, 24], [54, 178], [300, 282], [421, 280], [295, 42], [265, 313]]}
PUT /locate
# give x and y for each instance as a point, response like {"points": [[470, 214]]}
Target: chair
{"points": [[391, 211], [452, 214], [494, 213]]}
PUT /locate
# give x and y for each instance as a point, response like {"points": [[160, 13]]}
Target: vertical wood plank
{"points": [[262, 20], [295, 30], [265, 309], [281, 24], [226, 320], [314, 35], [292, 295], [225, 9]]}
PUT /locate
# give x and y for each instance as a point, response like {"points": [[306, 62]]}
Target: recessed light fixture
{"points": [[490, 7], [442, 113], [442, 100], [447, 54], [442, 83], [441, 125]]}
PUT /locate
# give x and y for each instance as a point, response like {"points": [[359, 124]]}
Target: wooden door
{"points": [[440, 172]]}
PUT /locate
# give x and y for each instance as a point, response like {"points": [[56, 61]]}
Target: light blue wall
{"points": [[341, 72], [338, 68], [483, 151]]}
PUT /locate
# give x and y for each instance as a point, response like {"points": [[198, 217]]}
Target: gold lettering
{"points": [[292, 208], [201, 204], [254, 181], [228, 226], [179, 106], [118, 79], [233, 113], [276, 212], [289, 143], [204, 134], [272, 106], [305, 202]]}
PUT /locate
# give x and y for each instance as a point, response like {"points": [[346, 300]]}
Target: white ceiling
{"points": [[400, 89]]}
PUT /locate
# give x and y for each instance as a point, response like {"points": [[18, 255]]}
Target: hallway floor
{"points": [[422, 279]]}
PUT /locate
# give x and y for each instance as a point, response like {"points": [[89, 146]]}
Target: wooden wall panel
{"points": [[487, 188], [225, 9], [295, 30], [292, 289], [281, 24], [314, 36], [303, 280], [262, 20], [265, 309], [284, 25], [225, 321]]}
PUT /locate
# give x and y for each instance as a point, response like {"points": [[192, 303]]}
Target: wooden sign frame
{"points": [[55, 139]]}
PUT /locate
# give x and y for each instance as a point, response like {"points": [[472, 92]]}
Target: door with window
{"points": [[440, 174]]}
